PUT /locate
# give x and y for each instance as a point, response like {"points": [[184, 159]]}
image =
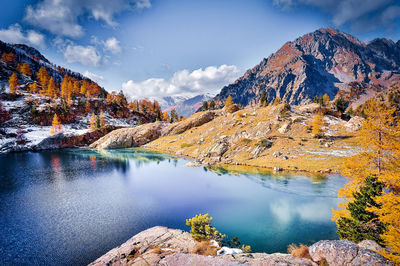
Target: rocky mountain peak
{"points": [[324, 61]]}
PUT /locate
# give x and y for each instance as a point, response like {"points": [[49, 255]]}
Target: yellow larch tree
{"points": [[13, 83], [56, 126], [325, 99], [379, 140], [103, 122], [317, 124], [43, 78], [230, 106], [92, 123], [277, 100], [51, 88], [33, 87], [165, 116], [26, 69]]}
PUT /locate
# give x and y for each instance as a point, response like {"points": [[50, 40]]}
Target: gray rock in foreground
{"points": [[343, 252], [164, 246]]}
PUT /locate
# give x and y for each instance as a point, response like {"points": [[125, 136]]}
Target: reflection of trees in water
{"points": [[277, 181]]}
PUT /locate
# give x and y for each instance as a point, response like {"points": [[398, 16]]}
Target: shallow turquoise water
{"points": [[71, 206]]}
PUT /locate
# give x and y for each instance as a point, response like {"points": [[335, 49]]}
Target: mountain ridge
{"points": [[324, 61]]}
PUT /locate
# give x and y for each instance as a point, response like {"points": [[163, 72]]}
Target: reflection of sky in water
{"points": [[71, 206]]}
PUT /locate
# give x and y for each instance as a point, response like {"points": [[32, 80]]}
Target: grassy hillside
{"points": [[273, 136]]}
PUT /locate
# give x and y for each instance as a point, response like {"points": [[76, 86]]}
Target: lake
{"points": [[71, 206]]}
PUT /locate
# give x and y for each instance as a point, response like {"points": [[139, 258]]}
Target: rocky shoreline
{"points": [[164, 246]]}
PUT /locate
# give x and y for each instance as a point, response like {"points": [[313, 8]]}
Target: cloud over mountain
{"points": [[183, 82], [15, 34]]}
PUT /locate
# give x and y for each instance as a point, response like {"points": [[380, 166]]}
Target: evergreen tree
{"points": [[263, 99], [362, 223], [212, 105], [340, 104], [205, 106], [174, 116]]}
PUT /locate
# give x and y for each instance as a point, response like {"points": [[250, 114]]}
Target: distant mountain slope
{"points": [[36, 60], [325, 61], [188, 106]]}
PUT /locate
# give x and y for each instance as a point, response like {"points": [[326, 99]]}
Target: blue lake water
{"points": [[71, 206]]}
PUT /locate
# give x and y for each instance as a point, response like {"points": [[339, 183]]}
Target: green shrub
{"points": [[246, 141], [186, 145], [201, 228], [265, 143]]}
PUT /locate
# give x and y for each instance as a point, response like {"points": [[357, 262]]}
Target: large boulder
{"points": [[130, 137], [343, 252], [195, 120], [354, 124]]}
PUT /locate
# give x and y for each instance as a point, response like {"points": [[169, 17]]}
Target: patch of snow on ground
{"points": [[229, 251]]}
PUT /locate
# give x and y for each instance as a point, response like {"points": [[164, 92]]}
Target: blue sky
{"points": [[154, 48]]}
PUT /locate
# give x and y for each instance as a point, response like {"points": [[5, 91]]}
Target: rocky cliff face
{"points": [[164, 246], [325, 61]]}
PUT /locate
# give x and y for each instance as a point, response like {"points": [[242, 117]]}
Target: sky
{"points": [[157, 48]]}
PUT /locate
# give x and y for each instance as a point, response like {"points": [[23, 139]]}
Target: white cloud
{"points": [[61, 17], [208, 80], [93, 76], [86, 55], [14, 34], [112, 45], [360, 14]]}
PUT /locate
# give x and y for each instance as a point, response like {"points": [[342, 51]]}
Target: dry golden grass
{"points": [[205, 248], [300, 251], [305, 152]]}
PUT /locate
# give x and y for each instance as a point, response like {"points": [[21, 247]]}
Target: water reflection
{"points": [[71, 206]]}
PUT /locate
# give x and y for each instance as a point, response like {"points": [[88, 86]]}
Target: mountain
{"points": [[188, 106], [324, 61], [35, 60]]}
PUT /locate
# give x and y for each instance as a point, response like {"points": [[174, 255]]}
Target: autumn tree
{"points": [[51, 88], [26, 69], [92, 123], [20, 138], [277, 100], [230, 106], [103, 122], [13, 83], [43, 78], [317, 124], [165, 116], [325, 99], [379, 139], [33, 87], [9, 58], [56, 126], [88, 108]]}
